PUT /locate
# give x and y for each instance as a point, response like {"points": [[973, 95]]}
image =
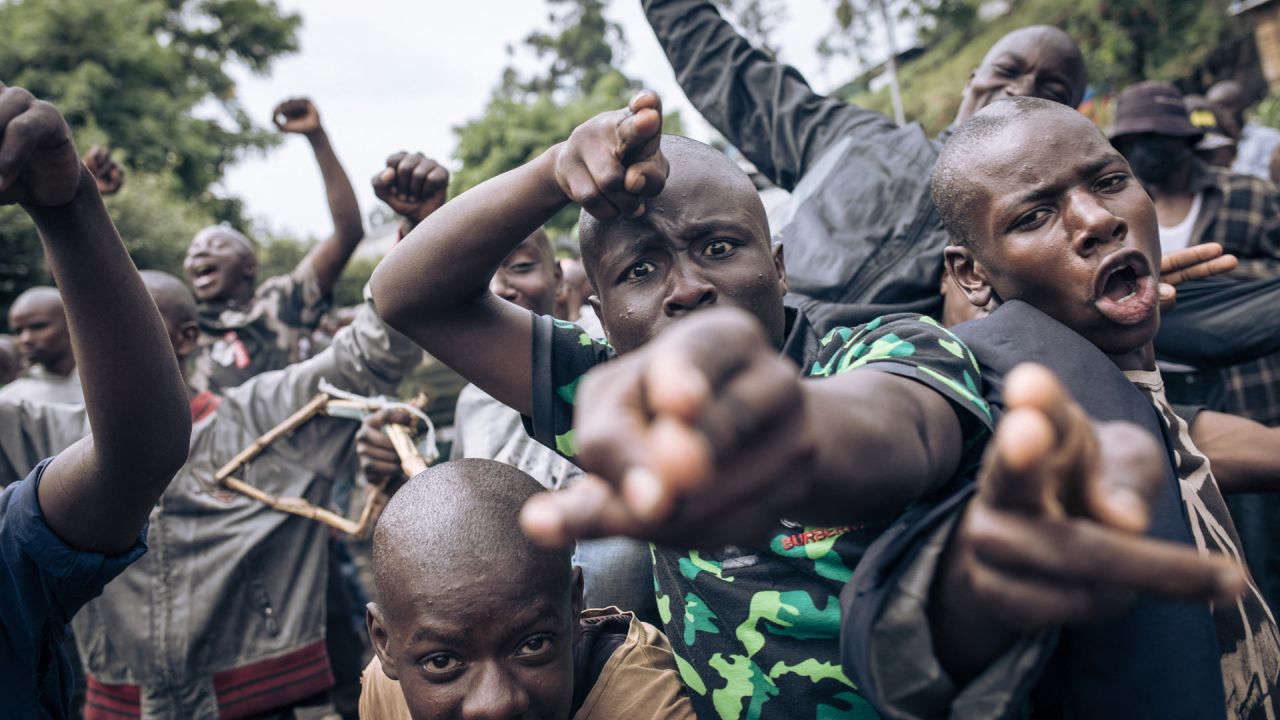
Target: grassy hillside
{"points": [[1193, 44]]}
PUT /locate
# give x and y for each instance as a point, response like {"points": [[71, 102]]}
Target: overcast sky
{"points": [[399, 74]]}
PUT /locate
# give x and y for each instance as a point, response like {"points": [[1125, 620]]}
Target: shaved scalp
{"points": [[1048, 35], [459, 517], [681, 152], [40, 296], [955, 185], [243, 243], [171, 296]]}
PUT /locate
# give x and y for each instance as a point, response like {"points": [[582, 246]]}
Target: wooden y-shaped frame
{"points": [[376, 495]]}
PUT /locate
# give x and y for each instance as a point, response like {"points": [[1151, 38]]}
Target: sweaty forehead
{"points": [[699, 193]]}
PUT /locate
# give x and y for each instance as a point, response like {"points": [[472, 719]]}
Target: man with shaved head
{"points": [[1085, 571], [37, 319], [473, 619], [246, 330], [861, 230], [675, 242]]}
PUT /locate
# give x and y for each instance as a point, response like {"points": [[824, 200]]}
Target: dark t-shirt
{"points": [[272, 332], [755, 629], [45, 582]]}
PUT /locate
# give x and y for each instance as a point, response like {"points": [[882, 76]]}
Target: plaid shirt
{"points": [[1242, 213]]}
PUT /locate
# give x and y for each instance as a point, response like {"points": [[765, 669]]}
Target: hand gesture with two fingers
{"points": [[613, 162]]}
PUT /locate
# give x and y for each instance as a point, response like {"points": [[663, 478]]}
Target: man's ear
{"points": [[249, 266], [378, 638], [186, 339], [562, 288], [969, 274], [594, 302], [780, 265]]}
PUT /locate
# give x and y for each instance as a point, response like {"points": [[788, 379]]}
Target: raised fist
{"points": [[413, 185], [38, 160], [106, 173], [296, 115]]}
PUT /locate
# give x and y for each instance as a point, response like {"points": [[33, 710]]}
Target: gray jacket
{"points": [[231, 593]]}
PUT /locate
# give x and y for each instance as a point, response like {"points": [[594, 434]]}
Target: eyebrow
{"points": [[1047, 191], [458, 636], [1011, 55]]}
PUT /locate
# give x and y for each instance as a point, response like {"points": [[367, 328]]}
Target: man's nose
{"points": [[688, 291], [499, 286], [1095, 224], [1022, 86], [495, 695]]}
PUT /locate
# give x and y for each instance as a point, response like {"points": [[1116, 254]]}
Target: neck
{"points": [[63, 367], [1143, 358], [242, 293]]}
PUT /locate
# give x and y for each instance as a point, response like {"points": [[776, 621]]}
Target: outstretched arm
{"points": [[454, 316], [97, 494], [707, 436], [1055, 532], [764, 107], [329, 257]]}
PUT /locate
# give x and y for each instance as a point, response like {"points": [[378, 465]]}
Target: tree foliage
{"points": [[526, 115], [149, 76], [859, 24], [149, 79]]}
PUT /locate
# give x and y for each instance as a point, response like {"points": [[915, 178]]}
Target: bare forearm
{"points": [[134, 395], [331, 256], [884, 441], [460, 245], [1244, 455]]}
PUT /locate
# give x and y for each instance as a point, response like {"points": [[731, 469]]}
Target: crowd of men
{"points": [[977, 426]]}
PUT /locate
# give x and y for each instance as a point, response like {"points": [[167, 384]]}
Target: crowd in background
{"points": [[976, 425]]}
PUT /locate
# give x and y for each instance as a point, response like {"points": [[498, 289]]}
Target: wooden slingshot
{"points": [[376, 496]]}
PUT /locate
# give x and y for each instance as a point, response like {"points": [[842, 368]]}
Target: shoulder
{"points": [[41, 567], [640, 680], [1233, 182], [913, 346], [903, 337]]}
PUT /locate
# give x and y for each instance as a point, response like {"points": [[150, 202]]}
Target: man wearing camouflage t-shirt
{"points": [[754, 625]]}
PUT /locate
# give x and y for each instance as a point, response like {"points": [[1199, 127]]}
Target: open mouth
{"points": [[203, 275], [1124, 289]]}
